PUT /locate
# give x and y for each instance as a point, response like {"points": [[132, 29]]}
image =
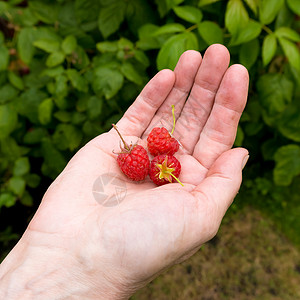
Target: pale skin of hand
{"points": [[75, 247]]}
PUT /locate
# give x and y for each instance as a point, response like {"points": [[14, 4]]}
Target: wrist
{"points": [[43, 272]]}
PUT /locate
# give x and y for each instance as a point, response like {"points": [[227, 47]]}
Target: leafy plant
{"points": [[68, 69]]}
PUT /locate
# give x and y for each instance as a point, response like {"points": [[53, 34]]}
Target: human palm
{"points": [[153, 227]]}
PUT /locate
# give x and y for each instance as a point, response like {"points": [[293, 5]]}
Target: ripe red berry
{"points": [[164, 169], [161, 142], [133, 160], [134, 163]]}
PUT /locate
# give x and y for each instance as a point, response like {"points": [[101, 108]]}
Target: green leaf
{"points": [[47, 45], [4, 57], [61, 89], [268, 10], [4, 7], [141, 57], [165, 5], [291, 51], [130, 73], [7, 199], [249, 53], [275, 92], [17, 185], [63, 116], [25, 46], [206, 2], [27, 104], [146, 40], [284, 18], [107, 46], [188, 13], [7, 93], [8, 120], [69, 44], [35, 136], [239, 137], [236, 16], [253, 5], [54, 162], [78, 81], [169, 28], [94, 107], [294, 5], [53, 72], [26, 199], [111, 16], [45, 11], [174, 47], [21, 166], [107, 81], [289, 124], [81, 58], [287, 159], [1, 37], [78, 118], [269, 48], [67, 136], [211, 32], [45, 111], [15, 80], [87, 11], [27, 18], [33, 180], [247, 34], [288, 33], [55, 58]]}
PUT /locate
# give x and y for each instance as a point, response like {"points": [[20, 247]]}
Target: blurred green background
{"points": [[69, 68]]}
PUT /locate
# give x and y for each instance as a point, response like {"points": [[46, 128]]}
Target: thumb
{"points": [[223, 180]]}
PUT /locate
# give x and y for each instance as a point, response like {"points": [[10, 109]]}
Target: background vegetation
{"points": [[69, 68]]}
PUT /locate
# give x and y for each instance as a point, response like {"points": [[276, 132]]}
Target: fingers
{"points": [[217, 191], [185, 72], [219, 132], [140, 113], [198, 106]]}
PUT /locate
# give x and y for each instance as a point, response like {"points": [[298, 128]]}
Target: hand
{"points": [[111, 251]]}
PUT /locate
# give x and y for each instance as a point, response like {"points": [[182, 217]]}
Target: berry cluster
{"points": [[164, 168]]}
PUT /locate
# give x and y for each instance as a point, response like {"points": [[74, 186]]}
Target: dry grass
{"points": [[248, 259]]}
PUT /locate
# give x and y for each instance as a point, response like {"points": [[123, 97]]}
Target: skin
{"points": [[76, 247]]}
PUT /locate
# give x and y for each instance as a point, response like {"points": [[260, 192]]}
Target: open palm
{"points": [[153, 227]]}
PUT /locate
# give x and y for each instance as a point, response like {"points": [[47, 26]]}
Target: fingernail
{"points": [[245, 161]]}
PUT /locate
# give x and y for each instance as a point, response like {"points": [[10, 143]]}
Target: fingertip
{"points": [[218, 50], [240, 70], [165, 75], [193, 54]]}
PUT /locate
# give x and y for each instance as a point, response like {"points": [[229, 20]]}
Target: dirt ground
{"points": [[248, 259]]}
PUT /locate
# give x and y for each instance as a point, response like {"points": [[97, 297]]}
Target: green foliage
{"points": [[68, 69]]}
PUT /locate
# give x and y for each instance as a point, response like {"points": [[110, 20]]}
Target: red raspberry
{"points": [[161, 142], [164, 169], [133, 160], [134, 163]]}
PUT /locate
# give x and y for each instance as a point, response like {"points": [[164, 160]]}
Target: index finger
{"points": [[139, 115]]}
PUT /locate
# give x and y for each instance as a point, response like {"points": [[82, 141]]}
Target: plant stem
{"points": [[267, 29], [192, 28], [125, 144], [173, 114], [176, 178]]}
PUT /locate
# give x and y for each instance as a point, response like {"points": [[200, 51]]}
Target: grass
{"points": [[248, 259]]}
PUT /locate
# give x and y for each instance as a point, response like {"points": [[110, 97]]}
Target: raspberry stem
{"points": [[176, 179], [125, 144], [165, 171], [173, 114]]}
